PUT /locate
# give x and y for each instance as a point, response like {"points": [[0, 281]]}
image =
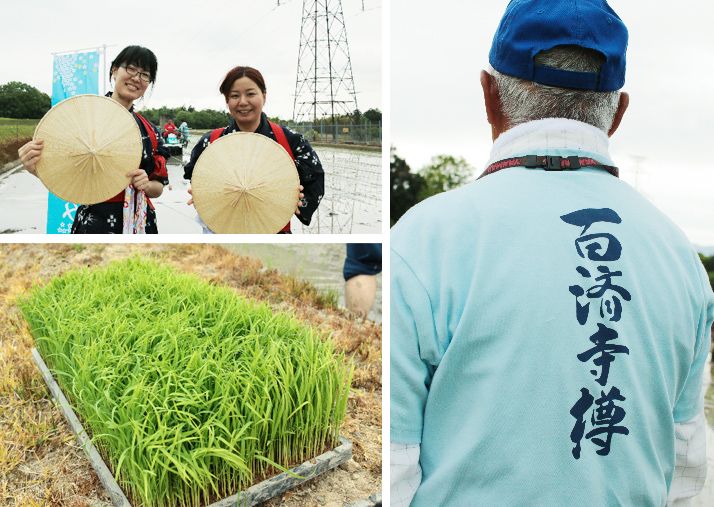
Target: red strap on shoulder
{"points": [[215, 134], [280, 137], [159, 161], [282, 141]]}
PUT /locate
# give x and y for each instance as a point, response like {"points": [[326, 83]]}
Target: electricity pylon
{"points": [[325, 86]]}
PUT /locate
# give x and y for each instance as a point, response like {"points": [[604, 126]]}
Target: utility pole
{"points": [[638, 170], [325, 86]]}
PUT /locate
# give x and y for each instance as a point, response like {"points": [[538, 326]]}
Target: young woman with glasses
{"points": [[245, 93], [132, 70]]}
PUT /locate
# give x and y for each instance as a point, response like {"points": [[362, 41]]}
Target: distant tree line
{"points": [[408, 188], [709, 266], [373, 116], [22, 101], [210, 119], [204, 120], [356, 126]]}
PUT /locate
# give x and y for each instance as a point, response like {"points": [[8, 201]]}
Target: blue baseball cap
{"points": [[530, 26]]}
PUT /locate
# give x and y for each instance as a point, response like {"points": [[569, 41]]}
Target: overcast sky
{"points": [[196, 43], [436, 102]]}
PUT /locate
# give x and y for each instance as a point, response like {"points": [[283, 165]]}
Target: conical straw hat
{"points": [[91, 142], [245, 183]]}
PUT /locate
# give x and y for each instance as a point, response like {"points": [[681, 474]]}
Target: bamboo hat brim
{"points": [[90, 144], [245, 183]]}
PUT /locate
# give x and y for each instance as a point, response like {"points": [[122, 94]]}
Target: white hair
{"points": [[523, 101]]}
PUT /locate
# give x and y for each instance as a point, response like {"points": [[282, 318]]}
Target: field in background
{"points": [[12, 130], [13, 134]]}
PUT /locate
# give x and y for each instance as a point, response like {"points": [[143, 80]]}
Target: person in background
{"points": [[183, 131], [169, 128], [362, 265], [133, 70], [549, 326]]}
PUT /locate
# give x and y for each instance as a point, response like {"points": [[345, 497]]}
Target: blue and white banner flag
{"points": [[75, 74], [61, 214], [72, 74]]}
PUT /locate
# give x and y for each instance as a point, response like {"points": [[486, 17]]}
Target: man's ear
{"points": [[621, 108], [493, 105]]}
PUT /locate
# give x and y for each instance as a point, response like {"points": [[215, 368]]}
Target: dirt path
{"points": [[40, 461]]}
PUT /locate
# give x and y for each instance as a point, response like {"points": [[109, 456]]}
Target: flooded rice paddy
{"points": [[352, 202], [353, 192]]}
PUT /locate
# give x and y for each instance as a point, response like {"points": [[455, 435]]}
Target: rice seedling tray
{"points": [[252, 496], [189, 391]]}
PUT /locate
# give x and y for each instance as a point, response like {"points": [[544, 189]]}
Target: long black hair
{"points": [[138, 56]]}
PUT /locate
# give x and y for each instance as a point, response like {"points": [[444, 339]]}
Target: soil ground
{"points": [[41, 463], [8, 151]]}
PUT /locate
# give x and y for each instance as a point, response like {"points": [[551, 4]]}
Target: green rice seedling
{"points": [[190, 392]]}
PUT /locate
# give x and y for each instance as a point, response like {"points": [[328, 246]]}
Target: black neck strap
{"points": [[549, 163]]}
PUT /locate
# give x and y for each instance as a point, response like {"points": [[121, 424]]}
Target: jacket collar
{"points": [[552, 136], [233, 127]]}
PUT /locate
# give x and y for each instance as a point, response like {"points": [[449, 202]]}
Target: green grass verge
{"points": [[190, 392], [11, 129]]}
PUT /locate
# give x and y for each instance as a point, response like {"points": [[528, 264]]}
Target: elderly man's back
{"points": [[548, 331], [549, 326]]}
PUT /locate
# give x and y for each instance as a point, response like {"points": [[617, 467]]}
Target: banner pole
{"points": [[104, 52]]}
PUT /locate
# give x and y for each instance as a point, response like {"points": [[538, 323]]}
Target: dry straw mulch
{"points": [[40, 462]]}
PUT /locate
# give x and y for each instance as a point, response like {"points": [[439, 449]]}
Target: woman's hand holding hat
{"points": [[300, 197], [30, 154]]}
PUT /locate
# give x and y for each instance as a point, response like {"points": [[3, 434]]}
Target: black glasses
{"points": [[133, 72]]}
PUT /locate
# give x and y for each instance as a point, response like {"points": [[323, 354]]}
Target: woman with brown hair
{"points": [[245, 93]]}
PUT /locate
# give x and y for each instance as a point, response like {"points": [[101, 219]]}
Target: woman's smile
{"points": [[245, 103]]}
